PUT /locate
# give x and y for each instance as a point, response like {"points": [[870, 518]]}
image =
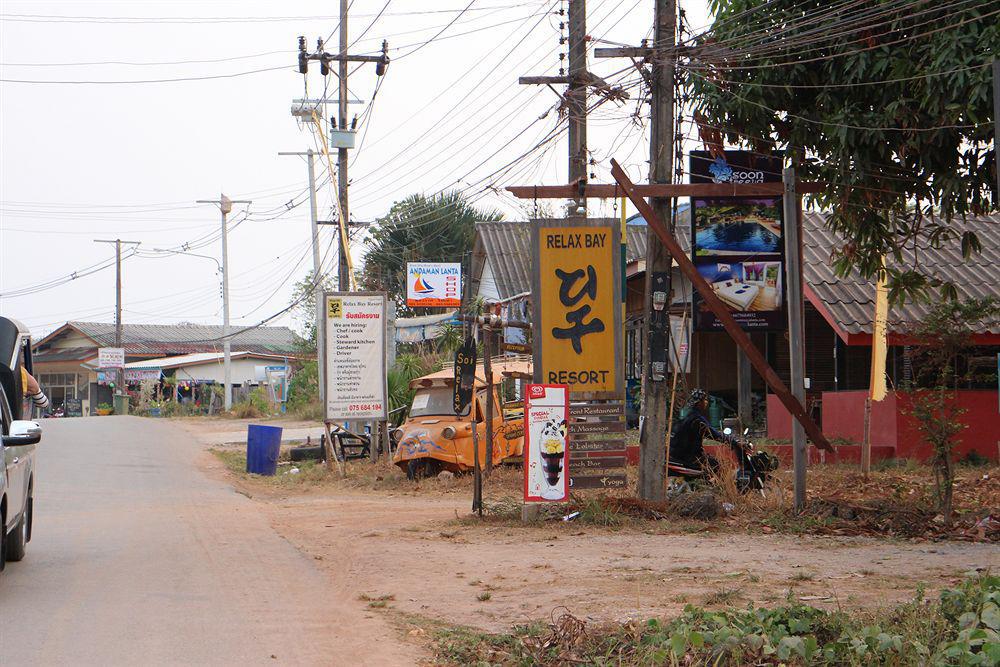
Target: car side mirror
{"points": [[23, 432]]}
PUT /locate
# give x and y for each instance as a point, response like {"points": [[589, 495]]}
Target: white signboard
{"points": [[110, 357], [355, 371], [680, 343], [546, 447], [433, 284]]}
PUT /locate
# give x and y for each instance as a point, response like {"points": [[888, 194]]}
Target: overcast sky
{"points": [[84, 161]]}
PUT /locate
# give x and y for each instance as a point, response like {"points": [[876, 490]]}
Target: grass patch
{"points": [[377, 602], [484, 596], [959, 627]]}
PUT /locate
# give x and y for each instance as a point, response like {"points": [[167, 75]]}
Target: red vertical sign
{"points": [[546, 443]]}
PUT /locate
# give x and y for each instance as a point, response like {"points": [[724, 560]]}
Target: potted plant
{"points": [[105, 409]]}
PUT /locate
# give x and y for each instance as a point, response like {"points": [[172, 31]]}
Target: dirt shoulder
{"points": [[421, 549], [414, 551]]}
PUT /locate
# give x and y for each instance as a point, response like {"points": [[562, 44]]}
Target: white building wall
{"points": [[243, 370]]}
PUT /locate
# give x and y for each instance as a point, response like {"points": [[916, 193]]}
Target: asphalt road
{"points": [[138, 557]]}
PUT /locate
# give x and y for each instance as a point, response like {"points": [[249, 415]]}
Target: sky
{"points": [[82, 160]]}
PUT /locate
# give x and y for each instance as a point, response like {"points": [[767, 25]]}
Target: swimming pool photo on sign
{"points": [[742, 228]]}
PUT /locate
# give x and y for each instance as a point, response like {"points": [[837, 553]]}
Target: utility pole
{"points": [[659, 264], [342, 134], [119, 372], [793, 276], [225, 205], [576, 82], [343, 278], [317, 274]]}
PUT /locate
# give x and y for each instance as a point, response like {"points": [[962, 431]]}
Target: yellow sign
{"points": [[578, 308], [335, 308]]}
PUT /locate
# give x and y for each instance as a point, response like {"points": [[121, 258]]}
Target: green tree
{"points": [[888, 102], [944, 339], [304, 311], [420, 229]]}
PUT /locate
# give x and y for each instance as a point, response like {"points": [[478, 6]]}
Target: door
{"points": [[15, 461]]}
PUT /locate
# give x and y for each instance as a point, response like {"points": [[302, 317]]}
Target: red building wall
{"points": [[893, 426]]}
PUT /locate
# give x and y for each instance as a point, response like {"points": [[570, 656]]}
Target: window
{"points": [[58, 386]]}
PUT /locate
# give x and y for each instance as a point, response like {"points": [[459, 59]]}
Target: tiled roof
{"points": [[170, 339], [851, 300]]}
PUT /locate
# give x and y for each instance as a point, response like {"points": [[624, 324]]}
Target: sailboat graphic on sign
{"points": [[421, 287]]}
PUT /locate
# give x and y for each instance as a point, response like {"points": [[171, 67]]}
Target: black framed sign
{"points": [[737, 243]]}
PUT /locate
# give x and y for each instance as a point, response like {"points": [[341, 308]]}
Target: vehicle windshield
{"points": [[436, 401]]}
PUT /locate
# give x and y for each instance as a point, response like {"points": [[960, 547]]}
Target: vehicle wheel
{"points": [[3, 540], [30, 510], [421, 469], [16, 540]]}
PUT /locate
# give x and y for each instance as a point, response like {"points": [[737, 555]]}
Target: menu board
{"points": [[354, 342]]}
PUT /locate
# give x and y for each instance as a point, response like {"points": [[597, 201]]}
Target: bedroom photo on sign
{"points": [[738, 249]]}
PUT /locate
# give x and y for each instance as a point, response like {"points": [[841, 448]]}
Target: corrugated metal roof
{"points": [[851, 300], [196, 359], [507, 245], [172, 339], [66, 354]]}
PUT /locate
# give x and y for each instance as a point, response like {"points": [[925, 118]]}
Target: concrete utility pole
{"points": [[655, 388], [793, 276], [342, 135], [225, 205], [576, 81], [119, 372], [576, 97], [343, 277], [317, 272]]}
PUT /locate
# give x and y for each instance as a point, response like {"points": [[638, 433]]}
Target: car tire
{"points": [[17, 539], [3, 540]]}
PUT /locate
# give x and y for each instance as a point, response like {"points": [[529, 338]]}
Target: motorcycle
{"points": [[753, 468]]}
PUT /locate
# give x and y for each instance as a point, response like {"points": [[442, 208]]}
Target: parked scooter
{"points": [[753, 468]]}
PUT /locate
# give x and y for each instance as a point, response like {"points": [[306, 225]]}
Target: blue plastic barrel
{"points": [[263, 444]]}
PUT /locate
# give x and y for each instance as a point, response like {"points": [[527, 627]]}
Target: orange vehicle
{"points": [[433, 438]]}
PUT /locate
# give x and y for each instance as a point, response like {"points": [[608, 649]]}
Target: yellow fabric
{"points": [[880, 346], [24, 381]]}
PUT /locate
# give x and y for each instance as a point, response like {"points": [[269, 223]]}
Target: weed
{"points": [[803, 576], [484, 596], [376, 599], [958, 628], [723, 596]]}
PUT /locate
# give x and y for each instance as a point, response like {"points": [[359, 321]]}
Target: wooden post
{"points": [[488, 372], [744, 406], [866, 442], [996, 129], [793, 278], [477, 471]]}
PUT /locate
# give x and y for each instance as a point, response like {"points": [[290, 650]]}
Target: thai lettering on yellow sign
{"points": [[577, 307]]}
